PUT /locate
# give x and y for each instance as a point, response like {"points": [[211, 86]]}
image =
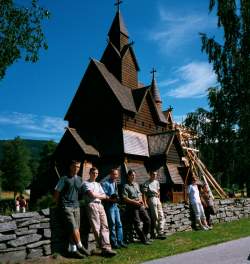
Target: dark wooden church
{"points": [[115, 121]]}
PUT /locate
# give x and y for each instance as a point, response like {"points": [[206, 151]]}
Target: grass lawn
{"points": [[174, 244]]}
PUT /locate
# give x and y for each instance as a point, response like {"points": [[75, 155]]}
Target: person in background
{"points": [[22, 204], [96, 212], [18, 204], [208, 203], [66, 196], [151, 197], [195, 201], [135, 208], [112, 210]]}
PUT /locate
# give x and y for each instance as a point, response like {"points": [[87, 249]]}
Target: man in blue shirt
{"points": [[109, 186]]}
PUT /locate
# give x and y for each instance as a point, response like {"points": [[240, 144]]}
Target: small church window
{"points": [[149, 125], [135, 121], [142, 123]]}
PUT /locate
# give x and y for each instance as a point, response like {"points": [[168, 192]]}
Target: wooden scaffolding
{"points": [[195, 166]]}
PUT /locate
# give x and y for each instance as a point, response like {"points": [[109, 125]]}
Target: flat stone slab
{"points": [[12, 249], [5, 218], [47, 250], [47, 233], [39, 243], [2, 246], [13, 257], [25, 232], [35, 253], [7, 237], [23, 240], [8, 226], [45, 212], [25, 215], [29, 222]]}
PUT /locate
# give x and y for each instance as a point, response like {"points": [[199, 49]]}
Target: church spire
{"points": [[118, 2], [155, 91], [118, 33]]}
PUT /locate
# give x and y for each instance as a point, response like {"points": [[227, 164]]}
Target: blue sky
{"points": [[35, 97]]}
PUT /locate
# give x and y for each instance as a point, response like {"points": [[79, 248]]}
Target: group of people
{"points": [[142, 205], [202, 204]]}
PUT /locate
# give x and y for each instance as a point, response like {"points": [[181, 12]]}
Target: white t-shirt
{"points": [[193, 194], [93, 187]]}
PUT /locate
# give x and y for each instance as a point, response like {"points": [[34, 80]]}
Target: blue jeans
{"points": [[115, 225]]}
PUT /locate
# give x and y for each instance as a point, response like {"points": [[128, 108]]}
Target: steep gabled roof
{"points": [[118, 26], [139, 96], [155, 91], [127, 48], [87, 149], [122, 93]]}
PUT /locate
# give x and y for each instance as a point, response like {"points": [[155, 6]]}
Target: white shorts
{"points": [[198, 211]]}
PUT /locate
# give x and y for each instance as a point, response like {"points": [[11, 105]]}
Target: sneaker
{"points": [[84, 251], [76, 255], [204, 228], [108, 253], [123, 245], [209, 227], [161, 236], [116, 246], [146, 242]]}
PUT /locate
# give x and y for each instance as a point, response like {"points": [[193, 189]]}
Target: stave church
{"points": [[115, 121]]}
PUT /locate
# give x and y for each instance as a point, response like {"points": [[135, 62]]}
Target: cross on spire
{"points": [[153, 72], [118, 3]]}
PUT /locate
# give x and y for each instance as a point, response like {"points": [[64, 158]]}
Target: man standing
{"points": [[66, 196], [109, 186], [151, 196], [136, 208], [97, 215]]}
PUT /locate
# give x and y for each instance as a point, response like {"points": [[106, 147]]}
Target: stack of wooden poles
{"points": [[196, 166]]}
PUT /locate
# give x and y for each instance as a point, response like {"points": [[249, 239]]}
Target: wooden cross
{"points": [[153, 72], [118, 2]]}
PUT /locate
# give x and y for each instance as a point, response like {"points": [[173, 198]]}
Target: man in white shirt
{"points": [[151, 196], [97, 215], [195, 201]]}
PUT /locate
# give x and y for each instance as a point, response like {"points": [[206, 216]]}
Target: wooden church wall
{"points": [[143, 121], [129, 73], [123, 41]]}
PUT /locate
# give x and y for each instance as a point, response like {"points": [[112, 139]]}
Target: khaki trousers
{"points": [[99, 224], [157, 215]]}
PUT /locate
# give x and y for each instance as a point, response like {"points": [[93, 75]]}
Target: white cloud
{"points": [[193, 80], [176, 29], [34, 125], [179, 118]]}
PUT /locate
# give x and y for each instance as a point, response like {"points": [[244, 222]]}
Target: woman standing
{"points": [[195, 201]]}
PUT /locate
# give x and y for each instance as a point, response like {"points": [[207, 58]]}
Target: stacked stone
{"points": [[25, 236], [178, 215], [231, 209], [177, 218]]}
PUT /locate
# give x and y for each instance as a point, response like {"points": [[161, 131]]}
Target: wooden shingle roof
{"points": [[118, 25], [122, 93], [174, 174], [87, 149]]}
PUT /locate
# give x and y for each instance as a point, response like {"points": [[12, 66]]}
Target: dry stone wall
{"points": [[34, 234]]}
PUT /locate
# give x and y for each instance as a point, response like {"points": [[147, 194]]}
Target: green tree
{"points": [[42, 182], [231, 63], [230, 102], [15, 166], [21, 32]]}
